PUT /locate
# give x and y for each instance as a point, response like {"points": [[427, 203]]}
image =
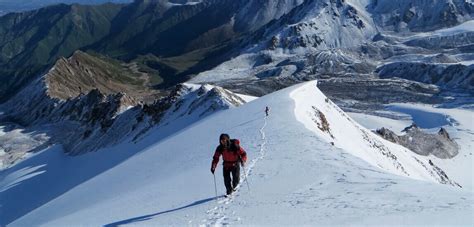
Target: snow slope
{"points": [[294, 176], [458, 122], [313, 109]]}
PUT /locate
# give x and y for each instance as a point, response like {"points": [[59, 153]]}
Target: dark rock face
{"points": [[420, 15], [443, 42], [444, 75], [439, 145], [444, 179]]}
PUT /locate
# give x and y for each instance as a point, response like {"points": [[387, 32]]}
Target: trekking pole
{"points": [[243, 166], [215, 185]]}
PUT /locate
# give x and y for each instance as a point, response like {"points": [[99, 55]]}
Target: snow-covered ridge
{"points": [[295, 175], [205, 99], [322, 116]]}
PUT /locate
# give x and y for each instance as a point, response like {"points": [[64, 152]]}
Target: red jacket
{"points": [[231, 155]]}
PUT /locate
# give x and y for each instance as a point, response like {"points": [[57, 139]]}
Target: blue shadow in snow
{"points": [[50, 173], [424, 119], [150, 216]]}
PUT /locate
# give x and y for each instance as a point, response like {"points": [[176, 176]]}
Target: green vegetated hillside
{"points": [[84, 72], [32, 41], [163, 41]]}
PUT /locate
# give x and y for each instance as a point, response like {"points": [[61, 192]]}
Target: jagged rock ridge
{"points": [[422, 143]]}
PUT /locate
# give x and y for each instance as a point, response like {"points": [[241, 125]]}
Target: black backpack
{"points": [[234, 145]]}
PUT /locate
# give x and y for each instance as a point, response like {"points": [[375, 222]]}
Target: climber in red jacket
{"points": [[233, 156]]}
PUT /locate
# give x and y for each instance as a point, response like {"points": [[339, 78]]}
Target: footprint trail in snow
{"points": [[217, 215]]}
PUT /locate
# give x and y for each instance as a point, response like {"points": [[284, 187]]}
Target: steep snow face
{"points": [[322, 116], [256, 13], [318, 25], [188, 103], [202, 101], [295, 177]]}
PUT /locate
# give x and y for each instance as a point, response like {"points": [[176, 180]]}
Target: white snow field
{"points": [[294, 176]]}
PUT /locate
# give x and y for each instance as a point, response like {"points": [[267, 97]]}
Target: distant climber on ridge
{"points": [[233, 155], [267, 110]]}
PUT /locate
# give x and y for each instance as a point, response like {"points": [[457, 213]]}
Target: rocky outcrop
{"points": [[96, 120], [73, 81], [185, 100], [422, 143], [82, 72]]}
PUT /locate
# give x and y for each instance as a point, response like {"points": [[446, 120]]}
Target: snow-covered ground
{"points": [[467, 62], [15, 138], [294, 176]]}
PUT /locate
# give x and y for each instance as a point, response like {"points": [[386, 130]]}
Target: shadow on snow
{"points": [[150, 216]]}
